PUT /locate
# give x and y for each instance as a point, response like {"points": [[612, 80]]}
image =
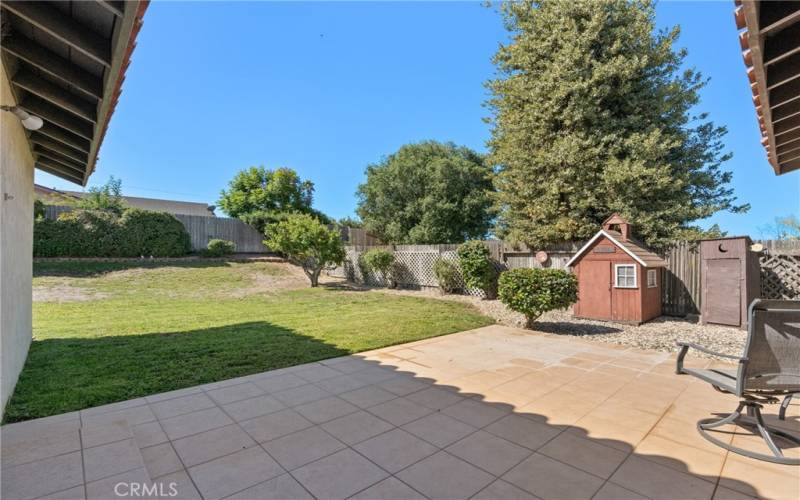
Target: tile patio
{"points": [[490, 413]]}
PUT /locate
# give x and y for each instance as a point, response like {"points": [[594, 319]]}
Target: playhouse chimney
{"points": [[617, 223]]}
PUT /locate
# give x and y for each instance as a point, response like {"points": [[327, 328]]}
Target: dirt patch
{"points": [[64, 293], [290, 278]]}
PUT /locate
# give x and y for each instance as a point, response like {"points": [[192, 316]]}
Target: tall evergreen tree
{"points": [[592, 114]]}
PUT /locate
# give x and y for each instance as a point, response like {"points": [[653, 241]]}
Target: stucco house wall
{"points": [[16, 241]]}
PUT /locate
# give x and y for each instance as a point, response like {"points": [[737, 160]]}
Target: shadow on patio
{"points": [[490, 413]]}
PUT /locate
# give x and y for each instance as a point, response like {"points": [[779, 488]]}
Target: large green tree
{"points": [[259, 196], [592, 114], [428, 192]]}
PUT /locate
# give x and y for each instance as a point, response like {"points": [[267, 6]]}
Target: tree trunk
{"points": [[530, 320], [314, 276]]}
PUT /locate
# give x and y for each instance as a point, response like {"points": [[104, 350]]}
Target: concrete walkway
{"points": [[491, 413]]}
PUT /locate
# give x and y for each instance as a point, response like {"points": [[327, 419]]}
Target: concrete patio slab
{"points": [[492, 413]]}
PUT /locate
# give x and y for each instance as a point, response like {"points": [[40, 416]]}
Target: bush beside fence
{"points": [[94, 233], [780, 269], [202, 229]]}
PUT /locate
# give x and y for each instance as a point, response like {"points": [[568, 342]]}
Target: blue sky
{"points": [[327, 88]]}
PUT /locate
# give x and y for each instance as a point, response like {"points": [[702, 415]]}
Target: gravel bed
{"points": [[659, 334]]}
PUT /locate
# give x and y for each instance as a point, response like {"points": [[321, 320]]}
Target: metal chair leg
{"points": [[784, 406], [752, 419]]}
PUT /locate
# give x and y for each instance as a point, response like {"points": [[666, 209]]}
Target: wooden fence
{"points": [[780, 268], [203, 229]]}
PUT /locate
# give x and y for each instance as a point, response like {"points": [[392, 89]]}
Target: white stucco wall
{"points": [[16, 245]]}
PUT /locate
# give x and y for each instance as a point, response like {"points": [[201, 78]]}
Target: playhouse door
{"points": [[594, 290]]}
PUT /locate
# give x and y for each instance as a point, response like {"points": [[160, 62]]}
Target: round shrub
{"points": [[153, 233], [380, 262], [477, 267], [533, 292], [219, 248], [447, 275]]}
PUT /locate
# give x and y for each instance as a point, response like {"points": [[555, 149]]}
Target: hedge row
{"points": [[97, 233]]}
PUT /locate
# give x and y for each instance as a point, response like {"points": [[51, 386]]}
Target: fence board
{"points": [[202, 229], [680, 288], [780, 268]]}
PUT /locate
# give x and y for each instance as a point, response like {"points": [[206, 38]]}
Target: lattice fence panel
{"points": [[780, 269], [780, 276], [413, 269]]}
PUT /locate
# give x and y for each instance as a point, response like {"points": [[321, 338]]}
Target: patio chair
{"points": [[768, 370]]}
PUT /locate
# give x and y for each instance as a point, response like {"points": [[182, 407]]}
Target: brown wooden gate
{"points": [[723, 292]]}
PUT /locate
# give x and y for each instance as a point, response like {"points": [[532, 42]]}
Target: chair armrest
{"points": [[685, 346]]}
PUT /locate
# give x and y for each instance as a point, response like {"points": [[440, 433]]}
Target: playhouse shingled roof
{"points": [[635, 249]]}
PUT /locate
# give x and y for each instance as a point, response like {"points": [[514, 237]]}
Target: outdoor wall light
{"points": [[29, 121]]}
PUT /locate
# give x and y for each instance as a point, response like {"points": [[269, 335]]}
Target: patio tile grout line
{"points": [[633, 450], [396, 396], [261, 446]]}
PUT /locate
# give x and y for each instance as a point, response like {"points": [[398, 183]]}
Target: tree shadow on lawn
{"points": [[68, 374]]}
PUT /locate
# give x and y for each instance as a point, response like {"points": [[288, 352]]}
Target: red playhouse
{"points": [[619, 279]]}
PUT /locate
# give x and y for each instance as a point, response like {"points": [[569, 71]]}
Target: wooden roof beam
{"points": [[783, 155], [784, 94], [787, 138], [783, 72], [55, 23], [786, 111], [789, 165], [787, 20], [51, 92], [54, 114], [782, 45], [42, 151], [786, 126], [115, 7], [789, 157], [59, 147], [53, 64], [65, 137], [57, 169]]}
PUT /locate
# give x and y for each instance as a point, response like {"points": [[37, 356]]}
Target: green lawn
{"points": [[147, 328]]}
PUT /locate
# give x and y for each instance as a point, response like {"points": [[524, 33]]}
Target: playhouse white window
{"points": [[652, 278], [625, 276]]}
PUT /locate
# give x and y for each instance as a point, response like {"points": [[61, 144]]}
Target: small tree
{"points": [[785, 228], [533, 292], [380, 262], [477, 267], [446, 272], [107, 197], [306, 242]]}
